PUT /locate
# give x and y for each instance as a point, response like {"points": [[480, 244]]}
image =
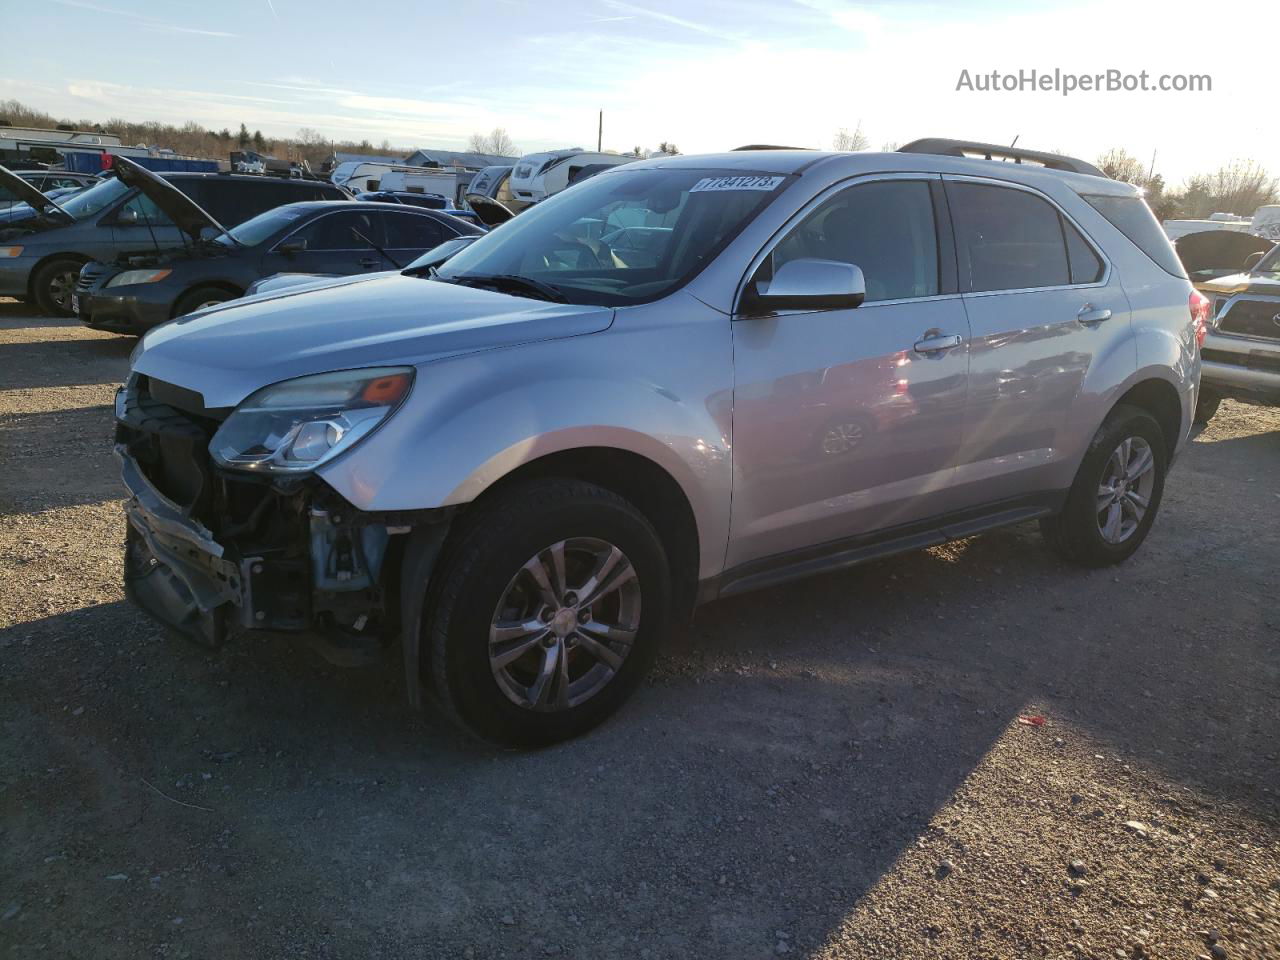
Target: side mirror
{"points": [[808, 284], [1253, 259], [291, 247], [126, 217]]}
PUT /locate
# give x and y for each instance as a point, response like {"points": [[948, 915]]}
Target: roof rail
{"points": [[991, 151], [766, 146]]}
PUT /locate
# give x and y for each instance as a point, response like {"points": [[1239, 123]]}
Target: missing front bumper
{"points": [[174, 569]]}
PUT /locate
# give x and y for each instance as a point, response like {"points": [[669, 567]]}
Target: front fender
{"points": [[655, 389]]}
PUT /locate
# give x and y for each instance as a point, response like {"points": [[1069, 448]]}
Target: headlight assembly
{"points": [[131, 277], [295, 426]]}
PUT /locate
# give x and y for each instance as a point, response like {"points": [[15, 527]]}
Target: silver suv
{"points": [[679, 380]]}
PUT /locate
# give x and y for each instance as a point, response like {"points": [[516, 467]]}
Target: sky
{"points": [[707, 75]]}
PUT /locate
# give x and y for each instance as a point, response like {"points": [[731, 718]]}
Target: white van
{"points": [[540, 175]]}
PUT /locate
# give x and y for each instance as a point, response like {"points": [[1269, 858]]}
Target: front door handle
{"points": [[1089, 314], [936, 342], [370, 262]]}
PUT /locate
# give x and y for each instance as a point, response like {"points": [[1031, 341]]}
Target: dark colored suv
{"points": [[40, 258]]}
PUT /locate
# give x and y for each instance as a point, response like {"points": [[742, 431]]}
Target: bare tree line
{"points": [[1239, 187]]}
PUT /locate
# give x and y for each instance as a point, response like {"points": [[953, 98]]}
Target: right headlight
{"points": [[133, 277], [296, 425]]}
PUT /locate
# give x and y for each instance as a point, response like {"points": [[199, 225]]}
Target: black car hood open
{"points": [[1216, 253], [30, 195], [186, 214], [491, 212]]}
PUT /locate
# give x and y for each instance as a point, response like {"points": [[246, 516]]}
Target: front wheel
{"points": [[199, 298], [53, 285], [546, 612], [1116, 494]]}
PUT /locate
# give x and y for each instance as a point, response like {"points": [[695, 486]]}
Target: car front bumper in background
{"points": [[1241, 367], [119, 312]]}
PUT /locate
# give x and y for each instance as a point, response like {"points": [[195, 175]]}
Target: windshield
{"points": [[257, 229], [96, 198], [621, 238], [1270, 264]]}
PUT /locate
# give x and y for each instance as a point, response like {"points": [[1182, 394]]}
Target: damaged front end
{"points": [[213, 551]]}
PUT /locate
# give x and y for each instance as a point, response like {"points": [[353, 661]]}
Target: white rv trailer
{"points": [[540, 175]]}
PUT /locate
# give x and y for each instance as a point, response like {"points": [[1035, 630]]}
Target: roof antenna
{"points": [[1015, 142]]}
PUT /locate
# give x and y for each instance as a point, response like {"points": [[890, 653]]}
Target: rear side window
{"points": [[407, 231], [1007, 239], [1132, 217], [1086, 266]]}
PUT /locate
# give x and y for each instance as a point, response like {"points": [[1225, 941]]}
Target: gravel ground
{"points": [[833, 769]]}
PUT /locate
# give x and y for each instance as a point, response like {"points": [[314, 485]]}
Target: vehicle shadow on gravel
{"points": [[793, 745], [738, 806], [57, 458], [68, 362]]}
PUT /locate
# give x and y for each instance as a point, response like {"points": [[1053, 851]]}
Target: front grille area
{"points": [[170, 446], [1253, 318], [167, 430], [90, 274]]}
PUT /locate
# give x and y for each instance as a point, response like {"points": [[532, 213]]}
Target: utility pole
{"points": [[600, 133]]}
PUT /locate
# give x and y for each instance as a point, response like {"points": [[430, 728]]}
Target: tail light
{"points": [[1200, 307]]}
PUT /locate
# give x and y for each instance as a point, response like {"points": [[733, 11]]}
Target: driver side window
{"points": [[885, 227], [145, 211]]}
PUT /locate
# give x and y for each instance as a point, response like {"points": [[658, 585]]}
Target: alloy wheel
{"points": [[1124, 493], [565, 624]]}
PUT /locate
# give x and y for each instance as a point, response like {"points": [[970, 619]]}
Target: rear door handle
{"points": [[1089, 314], [370, 262], [938, 342]]}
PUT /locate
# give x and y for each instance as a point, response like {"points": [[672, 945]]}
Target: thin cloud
{"points": [[668, 18], [174, 28], [150, 23]]}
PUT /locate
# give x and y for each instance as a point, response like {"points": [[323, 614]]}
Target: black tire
{"points": [[1207, 406], [52, 285], [1076, 533], [484, 554], [201, 297]]}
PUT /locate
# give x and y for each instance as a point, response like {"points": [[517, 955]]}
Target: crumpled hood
{"points": [[229, 351]]}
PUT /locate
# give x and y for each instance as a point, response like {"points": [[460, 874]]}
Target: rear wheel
{"points": [[199, 298], [1116, 494], [546, 612], [53, 284]]}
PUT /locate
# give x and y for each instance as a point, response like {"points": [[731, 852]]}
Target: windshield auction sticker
{"points": [[708, 184]]}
